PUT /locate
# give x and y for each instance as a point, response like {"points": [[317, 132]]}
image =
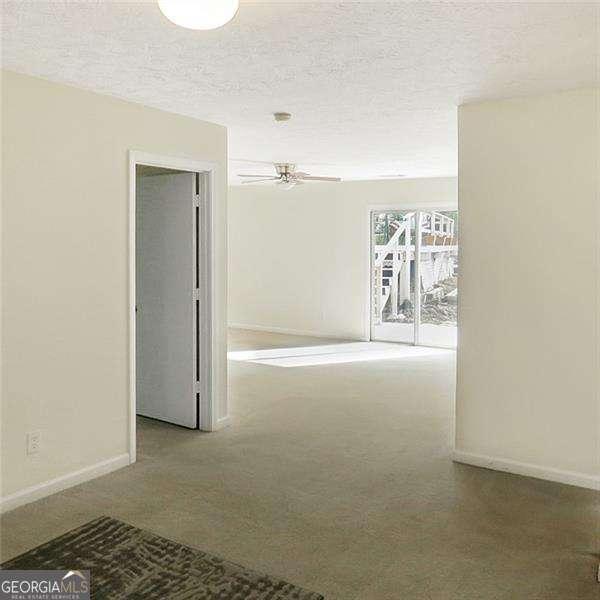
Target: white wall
{"points": [[65, 280], [528, 360], [298, 259]]}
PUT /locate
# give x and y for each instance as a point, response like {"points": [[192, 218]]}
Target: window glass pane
{"points": [[439, 278], [393, 289]]}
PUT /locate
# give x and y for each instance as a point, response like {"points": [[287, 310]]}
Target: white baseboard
{"points": [[304, 332], [584, 480], [223, 422], [47, 488]]}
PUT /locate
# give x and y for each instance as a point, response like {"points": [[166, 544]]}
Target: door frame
{"points": [[398, 206], [207, 170]]}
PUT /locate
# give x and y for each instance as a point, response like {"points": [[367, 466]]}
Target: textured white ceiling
{"points": [[373, 86]]}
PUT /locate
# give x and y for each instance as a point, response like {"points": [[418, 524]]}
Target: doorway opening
{"points": [[414, 277], [170, 300]]}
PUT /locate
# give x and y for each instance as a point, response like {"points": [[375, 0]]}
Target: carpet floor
{"points": [[337, 476]]}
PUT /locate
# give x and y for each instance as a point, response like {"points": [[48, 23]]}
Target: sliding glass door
{"points": [[409, 247]]}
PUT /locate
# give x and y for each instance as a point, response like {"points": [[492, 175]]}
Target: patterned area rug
{"points": [[127, 562]]}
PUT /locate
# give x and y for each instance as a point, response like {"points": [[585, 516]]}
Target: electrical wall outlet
{"points": [[34, 440]]}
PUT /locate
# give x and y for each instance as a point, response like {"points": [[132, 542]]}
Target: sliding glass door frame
{"points": [[418, 229]]}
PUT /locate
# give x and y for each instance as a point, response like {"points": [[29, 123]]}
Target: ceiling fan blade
{"points": [[260, 180], [262, 175], [315, 178], [249, 160]]}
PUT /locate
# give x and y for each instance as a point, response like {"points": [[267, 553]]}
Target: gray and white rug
{"points": [[127, 562]]}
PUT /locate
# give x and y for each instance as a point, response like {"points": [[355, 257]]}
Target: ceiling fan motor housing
{"points": [[285, 171]]}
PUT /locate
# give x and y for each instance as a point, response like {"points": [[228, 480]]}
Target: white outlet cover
{"points": [[34, 439]]}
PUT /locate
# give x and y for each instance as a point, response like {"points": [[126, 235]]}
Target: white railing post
{"points": [[417, 299], [394, 284], [405, 268], [377, 301]]}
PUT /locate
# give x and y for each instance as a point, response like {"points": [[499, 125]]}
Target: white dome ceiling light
{"points": [[199, 14]]}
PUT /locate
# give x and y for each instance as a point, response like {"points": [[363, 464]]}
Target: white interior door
{"points": [[166, 319]]}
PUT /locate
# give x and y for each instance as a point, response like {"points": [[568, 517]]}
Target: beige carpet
{"points": [[337, 477]]}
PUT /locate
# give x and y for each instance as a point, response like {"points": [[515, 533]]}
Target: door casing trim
{"points": [[208, 413]]}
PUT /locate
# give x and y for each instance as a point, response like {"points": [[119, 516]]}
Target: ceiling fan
{"points": [[287, 176]]}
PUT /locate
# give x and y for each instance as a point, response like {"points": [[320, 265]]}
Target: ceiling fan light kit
{"points": [[199, 14]]}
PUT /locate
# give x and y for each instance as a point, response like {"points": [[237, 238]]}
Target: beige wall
{"points": [[298, 259], [65, 260], [528, 362]]}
